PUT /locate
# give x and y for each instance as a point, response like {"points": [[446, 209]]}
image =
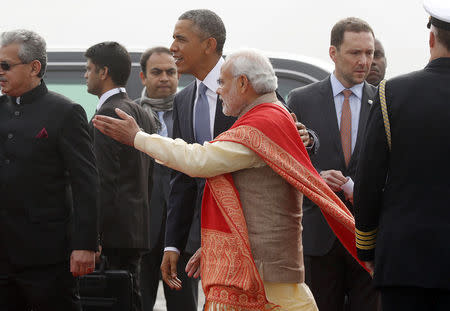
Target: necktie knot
{"points": [[202, 89], [347, 93]]}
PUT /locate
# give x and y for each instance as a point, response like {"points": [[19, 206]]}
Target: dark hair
{"points": [[32, 46], [352, 24], [114, 56], [209, 24], [148, 53], [443, 36]]}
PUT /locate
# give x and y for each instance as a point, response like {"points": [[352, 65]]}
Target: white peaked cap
{"points": [[439, 11]]}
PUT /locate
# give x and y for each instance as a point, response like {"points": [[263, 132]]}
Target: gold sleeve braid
{"points": [[366, 240]]}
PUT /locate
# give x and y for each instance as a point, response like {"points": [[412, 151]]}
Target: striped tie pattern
{"points": [[202, 123], [346, 127]]}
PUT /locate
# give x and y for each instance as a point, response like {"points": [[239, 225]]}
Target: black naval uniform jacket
{"points": [[48, 179], [402, 196]]}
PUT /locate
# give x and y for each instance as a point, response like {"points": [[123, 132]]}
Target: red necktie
{"points": [[346, 127]]}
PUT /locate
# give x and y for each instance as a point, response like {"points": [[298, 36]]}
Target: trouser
{"points": [[38, 288], [287, 296], [414, 299], [185, 299], [127, 259], [290, 296], [337, 281]]}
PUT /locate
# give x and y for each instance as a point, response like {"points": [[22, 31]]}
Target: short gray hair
{"points": [[256, 67], [209, 24], [32, 46]]}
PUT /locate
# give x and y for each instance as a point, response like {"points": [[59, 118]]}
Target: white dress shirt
{"points": [[108, 94]]}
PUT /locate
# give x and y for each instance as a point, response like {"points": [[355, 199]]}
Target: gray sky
{"points": [[284, 26]]}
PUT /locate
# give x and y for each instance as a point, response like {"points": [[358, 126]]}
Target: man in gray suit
{"points": [[123, 171], [336, 109]]}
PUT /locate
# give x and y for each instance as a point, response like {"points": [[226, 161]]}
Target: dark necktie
{"points": [[202, 122], [346, 127]]}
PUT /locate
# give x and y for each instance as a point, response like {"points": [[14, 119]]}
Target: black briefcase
{"points": [[106, 290]]}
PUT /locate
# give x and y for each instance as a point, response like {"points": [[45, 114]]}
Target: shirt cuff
{"points": [[348, 186], [171, 249], [139, 140]]}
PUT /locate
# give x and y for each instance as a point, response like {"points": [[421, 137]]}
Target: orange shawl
{"points": [[230, 278]]}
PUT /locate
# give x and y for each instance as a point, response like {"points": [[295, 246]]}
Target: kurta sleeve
{"points": [[195, 160]]}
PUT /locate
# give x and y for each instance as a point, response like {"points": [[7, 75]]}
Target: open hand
{"points": [[169, 269], [123, 130]]}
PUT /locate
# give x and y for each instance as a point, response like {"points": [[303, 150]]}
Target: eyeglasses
{"points": [[7, 66]]}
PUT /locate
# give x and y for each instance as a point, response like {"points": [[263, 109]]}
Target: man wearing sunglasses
{"points": [[48, 184]]}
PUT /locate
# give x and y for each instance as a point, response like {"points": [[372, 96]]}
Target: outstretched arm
{"points": [[207, 160]]}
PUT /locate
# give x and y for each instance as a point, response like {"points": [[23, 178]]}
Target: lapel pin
{"points": [[370, 102]]}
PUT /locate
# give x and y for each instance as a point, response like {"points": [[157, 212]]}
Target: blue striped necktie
{"points": [[202, 122]]}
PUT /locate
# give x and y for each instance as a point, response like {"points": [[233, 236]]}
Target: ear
{"points": [[35, 67], [332, 51], [243, 83], [432, 40], [141, 75], [211, 45], [104, 73]]}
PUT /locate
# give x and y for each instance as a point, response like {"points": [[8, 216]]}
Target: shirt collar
{"points": [[211, 79], [31, 95], [337, 87], [108, 94]]}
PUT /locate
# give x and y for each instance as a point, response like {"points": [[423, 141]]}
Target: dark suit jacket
{"points": [[183, 213], [314, 106], [48, 185], [124, 175], [159, 188], [405, 193]]}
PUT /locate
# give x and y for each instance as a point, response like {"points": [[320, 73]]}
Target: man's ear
{"points": [[332, 51], [103, 72], [243, 83], [35, 67], [432, 40], [211, 45], [141, 75]]}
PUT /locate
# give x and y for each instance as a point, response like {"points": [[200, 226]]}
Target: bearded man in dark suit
{"points": [[124, 172], [337, 109], [48, 184]]}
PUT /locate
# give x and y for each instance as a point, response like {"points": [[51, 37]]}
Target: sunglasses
{"points": [[7, 66]]}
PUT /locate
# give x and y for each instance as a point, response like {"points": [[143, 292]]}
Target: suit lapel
{"points": [[363, 115], [91, 125], [187, 109]]}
